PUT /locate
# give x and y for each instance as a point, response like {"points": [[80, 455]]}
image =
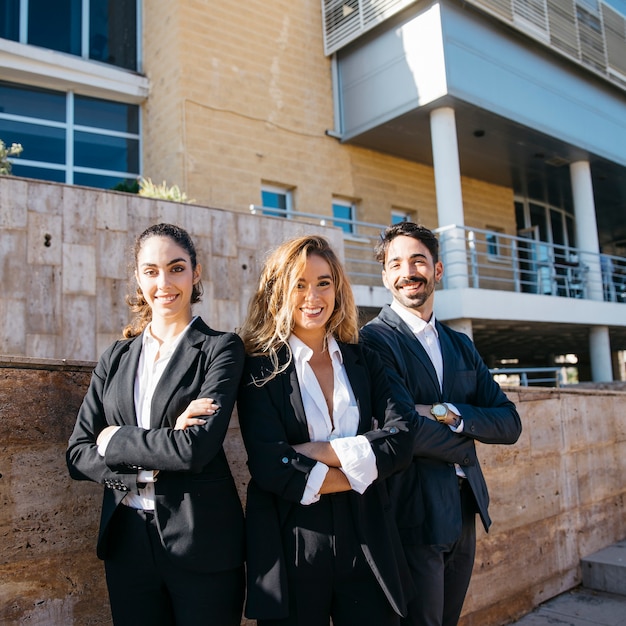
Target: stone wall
{"points": [[66, 259], [557, 495]]}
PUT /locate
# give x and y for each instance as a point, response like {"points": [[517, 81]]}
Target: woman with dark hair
{"points": [[151, 429], [321, 434]]}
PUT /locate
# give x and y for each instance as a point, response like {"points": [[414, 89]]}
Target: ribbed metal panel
{"points": [[589, 32], [345, 20], [615, 34]]}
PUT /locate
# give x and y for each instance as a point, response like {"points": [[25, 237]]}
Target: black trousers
{"points": [[328, 576], [147, 587], [441, 573]]}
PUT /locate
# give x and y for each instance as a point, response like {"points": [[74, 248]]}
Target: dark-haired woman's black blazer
{"points": [[197, 508]]}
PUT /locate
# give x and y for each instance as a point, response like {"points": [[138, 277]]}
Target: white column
{"points": [[586, 227], [462, 325], [589, 247], [600, 354], [449, 197]]}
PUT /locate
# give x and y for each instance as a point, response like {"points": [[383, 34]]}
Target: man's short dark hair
{"points": [[407, 229]]}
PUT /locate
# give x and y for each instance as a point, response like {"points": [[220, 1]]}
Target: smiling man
{"points": [[439, 371]]}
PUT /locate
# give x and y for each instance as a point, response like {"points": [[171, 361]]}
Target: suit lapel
{"points": [[448, 355], [357, 376], [183, 359], [295, 398], [127, 372], [391, 318]]}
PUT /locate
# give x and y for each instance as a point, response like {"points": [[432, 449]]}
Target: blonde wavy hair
{"points": [[269, 321]]}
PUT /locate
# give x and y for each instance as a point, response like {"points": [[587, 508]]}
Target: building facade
{"points": [[500, 123]]}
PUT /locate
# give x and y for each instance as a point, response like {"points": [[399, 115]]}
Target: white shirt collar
{"points": [[148, 339], [301, 352], [414, 322]]}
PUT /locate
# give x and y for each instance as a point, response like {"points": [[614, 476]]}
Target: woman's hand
{"points": [[189, 417]]}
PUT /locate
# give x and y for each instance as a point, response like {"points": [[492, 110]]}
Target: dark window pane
{"points": [[40, 143], [113, 32], [32, 102], [102, 182], [55, 25], [106, 153], [10, 19], [103, 114], [40, 173]]}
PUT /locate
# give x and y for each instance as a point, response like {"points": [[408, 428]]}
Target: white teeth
{"points": [[312, 311]]}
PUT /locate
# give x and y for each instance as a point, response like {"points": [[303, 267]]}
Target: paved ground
{"points": [[579, 607]]}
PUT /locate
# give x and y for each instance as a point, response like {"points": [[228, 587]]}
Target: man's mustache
{"points": [[402, 282]]}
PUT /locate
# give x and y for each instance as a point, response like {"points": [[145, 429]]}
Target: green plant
{"points": [[13, 151], [149, 189]]}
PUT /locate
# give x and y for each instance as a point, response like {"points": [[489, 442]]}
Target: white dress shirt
{"points": [[355, 453], [149, 371], [427, 335]]}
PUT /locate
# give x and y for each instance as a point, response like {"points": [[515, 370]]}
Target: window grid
{"points": [[70, 131]]}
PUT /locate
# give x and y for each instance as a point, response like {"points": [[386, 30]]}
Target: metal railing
{"points": [[524, 377], [484, 259]]}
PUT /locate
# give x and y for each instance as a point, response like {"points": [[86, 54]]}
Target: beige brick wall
{"points": [[241, 95]]}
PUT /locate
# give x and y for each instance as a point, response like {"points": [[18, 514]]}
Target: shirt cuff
{"points": [[453, 409], [103, 440], [147, 476], [314, 483], [358, 461]]}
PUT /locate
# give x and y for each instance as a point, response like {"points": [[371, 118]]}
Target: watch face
{"points": [[439, 410]]}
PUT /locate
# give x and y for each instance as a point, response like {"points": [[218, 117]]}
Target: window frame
{"points": [[278, 190], [348, 227]]}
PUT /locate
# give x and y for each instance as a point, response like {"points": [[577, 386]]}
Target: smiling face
{"points": [[166, 278], [313, 300], [411, 275]]}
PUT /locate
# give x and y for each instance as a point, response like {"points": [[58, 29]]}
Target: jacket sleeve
{"points": [[432, 440], [264, 412], [83, 460], [191, 449], [393, 441], [491, 417]]}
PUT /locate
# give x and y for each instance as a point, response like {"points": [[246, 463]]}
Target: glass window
{"points": [[10, 19], [113, 32], [96, 113], [102, 182], [55, 25], [32, 102], [493, 241], [106, 141], [105, 152], [276, 198], [39, 173], [344, 211], [40, 143], [107, 34], [402, 215]]}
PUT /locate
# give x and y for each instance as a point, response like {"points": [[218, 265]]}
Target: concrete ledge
{"points": [[605, 570]]}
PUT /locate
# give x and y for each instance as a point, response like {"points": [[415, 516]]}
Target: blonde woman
{"points": [[322, 435]]}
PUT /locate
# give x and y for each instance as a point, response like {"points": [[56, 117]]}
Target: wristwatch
{"points": [[439, 412]]}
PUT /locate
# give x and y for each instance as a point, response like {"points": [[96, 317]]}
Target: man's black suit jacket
{"points": [[426, 495], [197, 509], [272, 420]]}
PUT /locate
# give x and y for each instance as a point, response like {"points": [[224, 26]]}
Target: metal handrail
{"points": [[483, 259], [525, 376]]}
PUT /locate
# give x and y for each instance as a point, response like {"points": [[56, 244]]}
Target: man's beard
{"points": [[414, 301]]}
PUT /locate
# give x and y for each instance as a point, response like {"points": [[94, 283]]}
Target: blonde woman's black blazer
{"points": [[197, 510], [272, 420]]}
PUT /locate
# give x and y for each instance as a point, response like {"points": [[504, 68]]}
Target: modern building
{"points": [[500, 123]]}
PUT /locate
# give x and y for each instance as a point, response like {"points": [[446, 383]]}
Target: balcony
{"points": [[481, 259]]}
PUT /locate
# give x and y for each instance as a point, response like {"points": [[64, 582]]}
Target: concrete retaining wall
{"points": [[557, 495]]}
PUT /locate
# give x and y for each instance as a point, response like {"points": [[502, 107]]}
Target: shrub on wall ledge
{"points": [[13, 151], [148, 189]]}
